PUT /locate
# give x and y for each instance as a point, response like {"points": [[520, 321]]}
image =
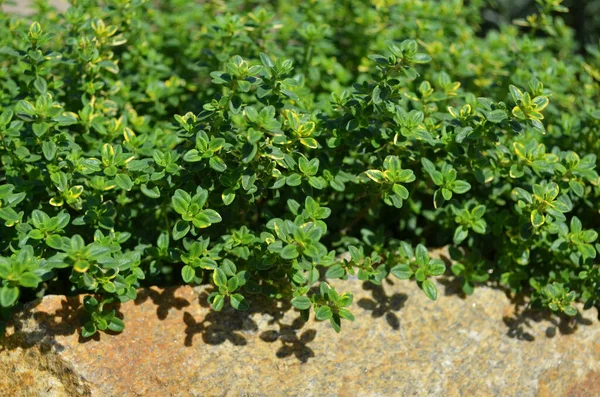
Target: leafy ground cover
{"points": [[250, 143]]}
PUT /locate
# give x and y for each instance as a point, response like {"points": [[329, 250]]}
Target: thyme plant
{"points": [[249, 144]]}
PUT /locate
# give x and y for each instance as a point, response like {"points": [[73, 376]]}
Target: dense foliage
{"points": [[250, 143]]}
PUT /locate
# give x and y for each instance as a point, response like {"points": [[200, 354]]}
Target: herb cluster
{"points": [[249, 144]]}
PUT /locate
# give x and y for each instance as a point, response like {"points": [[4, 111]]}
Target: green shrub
{"points": [[249, 144]]}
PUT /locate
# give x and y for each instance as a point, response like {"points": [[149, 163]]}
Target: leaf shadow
{"points": [[522, 320], [66, 320], [230, 325], [520, 323], [382, 305], [164, 300], [292, 343], [452, 287]]}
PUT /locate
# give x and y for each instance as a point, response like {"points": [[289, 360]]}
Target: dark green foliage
{"points": [[266, 147]]}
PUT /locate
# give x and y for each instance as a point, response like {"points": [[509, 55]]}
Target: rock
{"points": [[400, 344]]}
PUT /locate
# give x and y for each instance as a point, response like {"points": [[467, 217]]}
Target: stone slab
{"points": [[401, 344]]}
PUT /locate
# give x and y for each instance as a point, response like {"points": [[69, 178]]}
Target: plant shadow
{"points": [[382, 305], [34, 327], [520, 323], [232, 325], [452, 287], [524, 317], [291, 342], [66, 320], [164, 300]]}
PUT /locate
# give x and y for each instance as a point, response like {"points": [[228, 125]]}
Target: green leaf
{"points": [[89, 329], [181, 201], [461, 187], [8, 295], [346, 314], [313, 276], [335, 322], [301, 302], [201, 220], [496, 116], [266, 60], [217, 164], [188, 274], [316, 182], [458, 269], [109, 287], [249, 151], [436, 267], [219, 278], [192, 156], [335, 271], [376, 176], [537, 219], [435, 175], [228, 196], [421, 58], [49, 149], [180, 229], [39, 219], [293, 180], [290, 251], [479, 226], [218, 302], [402, 271], [577, 187], [523, 194], [422, 255], [323, 313], [232, 284], [212, 215], [355, 254], [430, 290], [516, 94], [124, 182], [29, 280], [36, 234], [421, 274], [40, 84], [460, 234], [116, 324], [152, 193], [309, 142], [90, 304], [345, 300], [569, 310], [400, 191], [239, 302], [586, 250]]}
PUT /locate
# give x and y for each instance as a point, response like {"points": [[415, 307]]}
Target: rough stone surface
{"points": [[401, 344]]}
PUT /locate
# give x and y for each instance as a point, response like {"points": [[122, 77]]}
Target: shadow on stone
{"points": [[383, 305], [231, 325], [64, 321], [452, 287], [164, 300], [217, 328], [524, 316], [292, 343]]}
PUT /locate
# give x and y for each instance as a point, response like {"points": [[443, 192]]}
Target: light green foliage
{"points": [[268, 147]]}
